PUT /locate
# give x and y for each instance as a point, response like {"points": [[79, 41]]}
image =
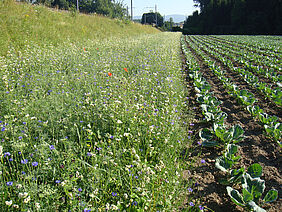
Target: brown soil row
{"points": [[268, 106], [256, 148]]}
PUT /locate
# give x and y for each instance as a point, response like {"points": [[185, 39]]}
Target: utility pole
{"points": [[77, 6], [131, 11], [156, 15]]}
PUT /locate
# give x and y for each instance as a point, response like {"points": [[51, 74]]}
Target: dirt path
{"points": [[256, 148]]}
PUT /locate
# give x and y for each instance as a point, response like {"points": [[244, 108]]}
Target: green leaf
{"points": [[236, 175], [223, 163], [235, 196], [255, 186], [231, 149], [255, 207], [238, 133], [255, 170], [207, 137], [271, 196], [247, 196], [209, 143], [206, 134], [221, 132]]}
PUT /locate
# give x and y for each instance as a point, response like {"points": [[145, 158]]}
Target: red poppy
{"points": [[84, 49], [110, 74], [125, 69]]}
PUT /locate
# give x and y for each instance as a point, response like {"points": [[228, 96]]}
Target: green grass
{"points": [[91, 114], [79, 132], [21, 23]]}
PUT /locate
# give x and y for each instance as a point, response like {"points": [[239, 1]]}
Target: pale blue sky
{"points": [[164, 7]]}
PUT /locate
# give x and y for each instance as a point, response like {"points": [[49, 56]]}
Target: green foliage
{"points": [[253, 188], [235, 17], [150, 18], [24, 23], [83, 127]]}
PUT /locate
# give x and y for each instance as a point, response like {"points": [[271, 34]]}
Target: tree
{"points": [[236, 17], [168, 25], [150, 18], [110, 8]]}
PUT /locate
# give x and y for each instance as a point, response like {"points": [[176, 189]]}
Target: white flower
{"points": [[27, 199], [37, 205], [19, 186], [119, 121], [23, 195], [15, 206], [114, 207], [9, 202]]}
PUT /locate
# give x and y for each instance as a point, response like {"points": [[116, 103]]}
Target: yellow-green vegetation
{"points": [[21, 23]]}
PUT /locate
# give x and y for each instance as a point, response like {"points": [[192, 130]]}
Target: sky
{"points": [[164, 7]]}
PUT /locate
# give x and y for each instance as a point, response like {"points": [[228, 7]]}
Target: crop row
{"points": [[265, 66], [252, 185], [251, 54], [274, 94], [271, 125], [262, 44]]}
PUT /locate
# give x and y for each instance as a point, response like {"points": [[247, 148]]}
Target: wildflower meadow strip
{"points": [[92, 126]]}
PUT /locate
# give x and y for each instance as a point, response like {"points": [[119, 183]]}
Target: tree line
{"points": [[235, 17], [110, 8]]}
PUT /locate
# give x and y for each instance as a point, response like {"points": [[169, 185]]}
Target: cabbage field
{"points": [[160, 122], [236, 84]]}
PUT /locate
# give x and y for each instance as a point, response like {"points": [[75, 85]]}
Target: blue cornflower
{"points": [[190, 189], [34, 163], [11, 159], [52, 147], [23, 172], [9, 183], [24, 161], [79, 189], [201, 207], [203, 161], [191, 204], [24, 123], [86, 210], [3, 129], [7, 154], [135, 203], [20, 137], [57, 181], [114, 194]]}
